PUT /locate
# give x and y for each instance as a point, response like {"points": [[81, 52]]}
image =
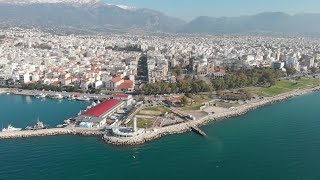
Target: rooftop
{"points": [[102, 108]]}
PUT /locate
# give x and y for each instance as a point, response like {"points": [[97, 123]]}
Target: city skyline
{"points": [[189, 10]]}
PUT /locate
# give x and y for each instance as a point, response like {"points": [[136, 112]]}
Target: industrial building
{"points": [[98, 115]]}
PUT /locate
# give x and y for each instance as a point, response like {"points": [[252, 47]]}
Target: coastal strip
{"points": [[153, 134], [187, 126]]}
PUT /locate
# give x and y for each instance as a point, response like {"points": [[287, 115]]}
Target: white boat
{"points": [[93, 104], [84, 98], [10, 128], [57, 96], [41, 96]]}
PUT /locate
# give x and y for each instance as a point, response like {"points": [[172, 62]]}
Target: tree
{"points": [[291, 71], [313, 69], [184, 101], [177, 71]]}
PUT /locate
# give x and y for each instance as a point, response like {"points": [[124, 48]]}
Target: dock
{"points": [[198, 130]]}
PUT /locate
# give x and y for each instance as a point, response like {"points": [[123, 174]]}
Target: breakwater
{"points": [[50, 132], [184, 127]]}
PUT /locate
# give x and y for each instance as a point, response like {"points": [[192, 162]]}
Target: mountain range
{"points": [[92, 15], [98, 16]]}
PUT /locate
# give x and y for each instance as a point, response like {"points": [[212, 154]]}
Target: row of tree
{"points": [[245, 78], [182, 86], [236, 79], [38, 86]]}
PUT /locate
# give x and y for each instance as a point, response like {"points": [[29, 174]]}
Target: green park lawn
{"points": [[142, 123], [284, 86]]}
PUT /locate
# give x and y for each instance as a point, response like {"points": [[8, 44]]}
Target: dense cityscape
{"points": [[125, 62], [121, 89]]}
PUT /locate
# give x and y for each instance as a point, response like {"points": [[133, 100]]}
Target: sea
{"points": [[279, 141]]}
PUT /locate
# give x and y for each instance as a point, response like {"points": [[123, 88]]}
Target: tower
{"points": [[135, 124]]}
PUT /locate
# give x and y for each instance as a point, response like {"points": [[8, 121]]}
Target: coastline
{"points": [[185, 127], [160, 132]]}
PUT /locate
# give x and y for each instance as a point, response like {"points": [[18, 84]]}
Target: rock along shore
{"points": [[184, 127]]}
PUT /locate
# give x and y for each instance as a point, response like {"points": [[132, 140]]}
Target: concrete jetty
{"points": [[198, 130], [49, 132]]}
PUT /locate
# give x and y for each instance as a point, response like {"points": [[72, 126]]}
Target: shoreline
{"points": [[154, 134], [185, 127]]}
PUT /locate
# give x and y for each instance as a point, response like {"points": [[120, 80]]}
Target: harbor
{"points": [[112, 134], [55, 95]]}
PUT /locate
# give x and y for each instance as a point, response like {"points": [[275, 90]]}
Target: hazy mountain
{"points": [[95, 15], [84, 14], [274, 22]]}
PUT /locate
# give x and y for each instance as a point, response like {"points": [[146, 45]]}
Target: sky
{"points": [[190, 9]]}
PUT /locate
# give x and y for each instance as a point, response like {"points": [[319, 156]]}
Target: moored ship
{"points": [[38, 126], [10, 128]]}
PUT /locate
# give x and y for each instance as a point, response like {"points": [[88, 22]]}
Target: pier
{"points": [[198, 130], [50, 132]]}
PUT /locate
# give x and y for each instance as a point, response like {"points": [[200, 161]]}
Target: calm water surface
{"points": [[281, 141]]}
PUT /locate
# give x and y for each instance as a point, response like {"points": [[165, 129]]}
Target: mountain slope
{"points": [[271, 22], [85, 14]]}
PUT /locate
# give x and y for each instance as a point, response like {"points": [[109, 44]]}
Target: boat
{"points": [[93, 104], [10, 128], [41, 96], [60, 126], [57, 96], [84, 98], [38, 126]]}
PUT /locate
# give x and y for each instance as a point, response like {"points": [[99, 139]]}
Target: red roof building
{"points": [[116, 79], [127, 85], [121, 95], [104, 108]]}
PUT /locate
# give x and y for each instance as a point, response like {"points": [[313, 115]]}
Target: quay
{"points": [[198, 130], [26, 92]]}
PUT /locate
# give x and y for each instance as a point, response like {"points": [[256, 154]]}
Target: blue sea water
{"points": [[280, 141], [22, 111]]}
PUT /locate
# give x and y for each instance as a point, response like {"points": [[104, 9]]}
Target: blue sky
{"points": [[189, 9]]}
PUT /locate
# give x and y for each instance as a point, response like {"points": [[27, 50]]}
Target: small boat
{"points": [[38, 126], [60, 126], [84, 98], [93, 104], [57, 96], [10, 128]]}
